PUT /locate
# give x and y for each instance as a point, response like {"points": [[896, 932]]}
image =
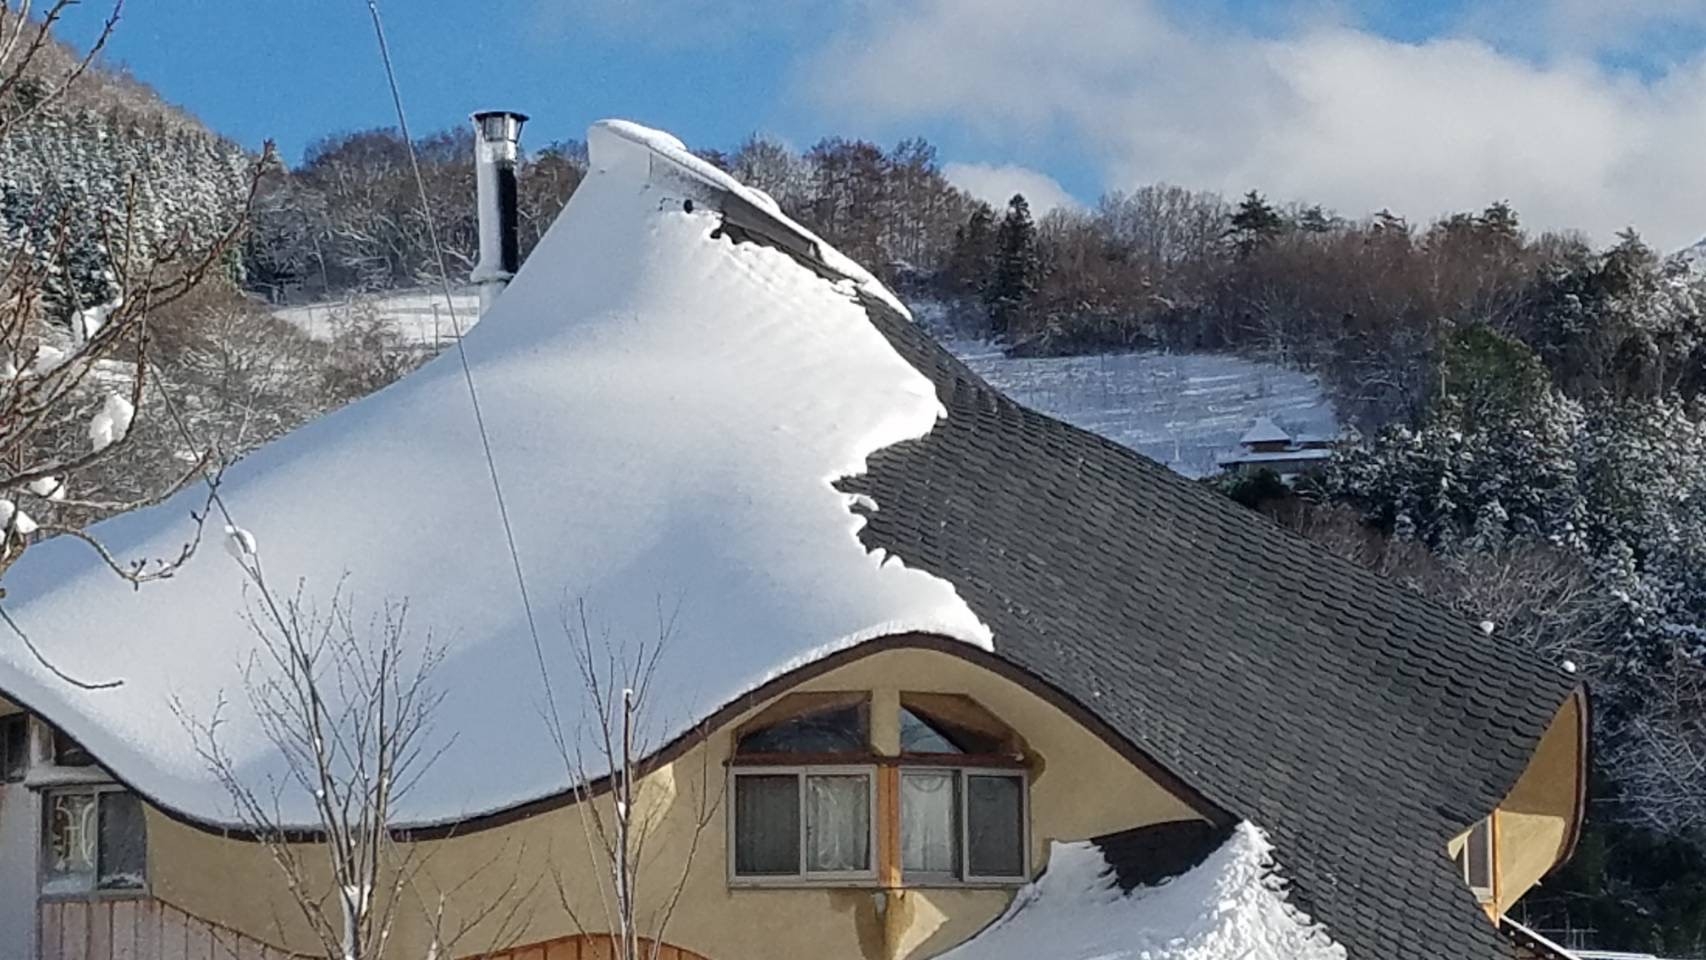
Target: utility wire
{"points": [[462, 354]]}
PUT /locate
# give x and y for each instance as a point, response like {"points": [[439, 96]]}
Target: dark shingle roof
{"points": [[1146, 856], [1358, 724]]}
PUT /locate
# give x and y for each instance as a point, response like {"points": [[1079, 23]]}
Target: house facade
{"points": [[948, 657]]}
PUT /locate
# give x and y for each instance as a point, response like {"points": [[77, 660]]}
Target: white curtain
{"points": [[838, 824], [929, 817]]}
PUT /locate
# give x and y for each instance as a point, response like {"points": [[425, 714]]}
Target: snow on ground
{"points": [[418, 316], [668, 412], [1180, 409], [1230, 906]]}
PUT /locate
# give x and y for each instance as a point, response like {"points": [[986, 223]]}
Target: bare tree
{"points": [[1660, 760], [618, 680], [72, 394], [349, 710]]}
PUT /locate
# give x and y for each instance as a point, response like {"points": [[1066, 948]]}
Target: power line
{"points": [[462, 354]]}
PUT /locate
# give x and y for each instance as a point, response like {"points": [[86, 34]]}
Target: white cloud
{"points": [[995, 185], [1323, 113]]}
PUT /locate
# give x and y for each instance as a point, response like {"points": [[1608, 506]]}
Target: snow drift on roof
{"points": [[1230, 907], [668, 410]]}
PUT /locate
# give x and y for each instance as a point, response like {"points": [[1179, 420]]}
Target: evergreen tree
{"points": [[1254, 224], [971, 265], [1018, 267]]}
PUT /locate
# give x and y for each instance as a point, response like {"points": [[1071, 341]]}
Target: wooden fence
{"points": [[139, 929]]}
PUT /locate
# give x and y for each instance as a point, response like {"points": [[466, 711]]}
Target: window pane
{"points": [[918, 735], [767, 825], [841, 730], [14, 747], [69, 753], [123, 844], [995, 822], [1478, 865], [838, 824], [930, 823], [70, 843]]}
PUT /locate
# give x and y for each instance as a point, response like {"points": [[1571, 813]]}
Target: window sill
{"points": [[804, 883], [48, 776], [863, 883]]}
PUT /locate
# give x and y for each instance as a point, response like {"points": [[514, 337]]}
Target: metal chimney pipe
{"points": [[497, 144]]}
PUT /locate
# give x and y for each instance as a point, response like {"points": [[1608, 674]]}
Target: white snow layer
{"points": [[1230, 907], [668, 412]]}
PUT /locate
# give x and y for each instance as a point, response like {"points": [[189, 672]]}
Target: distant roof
{"points": [[1265, 430], [1275, 456]]}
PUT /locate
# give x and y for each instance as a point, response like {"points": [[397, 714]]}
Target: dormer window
{"points": [[814, 801]]}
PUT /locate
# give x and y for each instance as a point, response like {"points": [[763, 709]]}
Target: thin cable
{"points": [[462, 354]]}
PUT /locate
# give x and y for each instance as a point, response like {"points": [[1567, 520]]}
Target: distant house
{"points": [[952, 679], [1268, 446]]}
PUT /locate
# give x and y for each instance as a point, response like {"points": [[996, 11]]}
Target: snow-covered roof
{"points": [[1232, 905], [668, 410], [1276, 456], [1265, 430]]}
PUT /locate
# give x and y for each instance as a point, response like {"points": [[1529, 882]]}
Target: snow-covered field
{"points": [[1178, 408], [1181, 409], [419, 316]]}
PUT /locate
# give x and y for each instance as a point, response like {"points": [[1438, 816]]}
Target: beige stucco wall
{"points": [[1081, 787], [1534, 825]]}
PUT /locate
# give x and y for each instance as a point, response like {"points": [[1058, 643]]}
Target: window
{"points": [[807, 823], [1476, 859], [69, 753], [835, 729], [806, 803], [14, 747], [966, 825], [93, 841]]}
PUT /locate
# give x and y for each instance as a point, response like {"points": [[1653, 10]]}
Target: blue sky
{"points": [[1583, 113]]}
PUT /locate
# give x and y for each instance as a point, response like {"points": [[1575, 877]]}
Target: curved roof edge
{"points": [[674, 749]]}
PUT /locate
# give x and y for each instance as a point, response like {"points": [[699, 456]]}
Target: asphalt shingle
{"points": [[1359, 724]]}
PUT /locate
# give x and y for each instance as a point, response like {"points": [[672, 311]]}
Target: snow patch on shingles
{"points": [[669, 412], [1230, 907]]}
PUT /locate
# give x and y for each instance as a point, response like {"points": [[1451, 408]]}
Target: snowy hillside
{"points": [[419, 317], [1178, 408]]}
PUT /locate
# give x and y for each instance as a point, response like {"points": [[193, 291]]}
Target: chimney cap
{"points": [[499, 126]]}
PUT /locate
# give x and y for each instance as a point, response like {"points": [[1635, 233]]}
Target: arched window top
{"points": [[809, 724], [946, 724]]}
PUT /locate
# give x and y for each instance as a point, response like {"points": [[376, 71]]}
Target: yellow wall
{"points": [[1535, 824], [1081, 787]]}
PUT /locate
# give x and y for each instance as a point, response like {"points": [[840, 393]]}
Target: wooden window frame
{"points": [[97, 790], [807, 878]]}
